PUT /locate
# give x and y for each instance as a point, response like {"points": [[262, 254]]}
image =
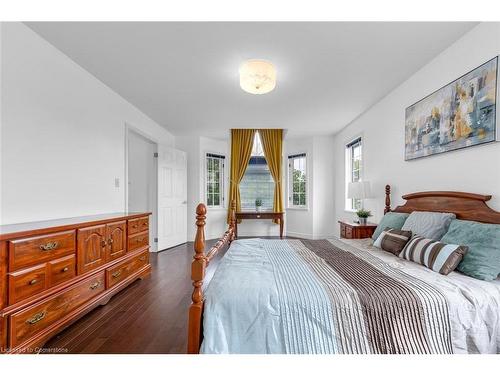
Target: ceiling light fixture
{"points": [[257, 76]]}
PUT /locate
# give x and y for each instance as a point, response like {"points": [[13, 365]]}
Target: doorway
{"points": [[141, 181]]}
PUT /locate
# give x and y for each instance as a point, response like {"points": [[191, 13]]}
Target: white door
{"points": [[172, 197]]}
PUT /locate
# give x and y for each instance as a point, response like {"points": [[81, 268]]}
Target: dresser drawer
{"points": [[133, 226], [123, 270], [138, 225], [144, 223], [35, 250], [26, 283], [32, 320], [138, 240], [348, 232], [61, 270]]}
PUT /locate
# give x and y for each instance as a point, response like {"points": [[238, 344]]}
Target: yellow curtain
{"points": [[241, 151], [272, 144]]}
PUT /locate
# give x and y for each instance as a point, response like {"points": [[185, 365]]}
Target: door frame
{"points": [[153, 192]]}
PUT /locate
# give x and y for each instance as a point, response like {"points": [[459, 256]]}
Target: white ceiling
{"points": [[184, 75]]}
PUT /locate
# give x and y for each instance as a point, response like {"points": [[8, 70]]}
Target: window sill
{"points": [[216, 208], [298, 208]]}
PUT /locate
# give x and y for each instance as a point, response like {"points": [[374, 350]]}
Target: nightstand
{"points": [[352, 230]]}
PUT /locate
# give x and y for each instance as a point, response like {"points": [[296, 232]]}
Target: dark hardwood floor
{"points": [[150, 316]]}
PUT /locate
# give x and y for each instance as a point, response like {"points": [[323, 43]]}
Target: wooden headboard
{"points": [[467, 206]]}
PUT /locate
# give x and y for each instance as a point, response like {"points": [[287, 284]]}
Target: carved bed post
{"points": [[197, 274], [387, 199], [232, 222]]}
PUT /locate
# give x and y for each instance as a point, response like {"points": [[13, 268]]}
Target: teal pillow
{"points": [[393, 220], [482, 261]]}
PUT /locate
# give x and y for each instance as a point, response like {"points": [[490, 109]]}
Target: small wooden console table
{"points": [[265, 215]]}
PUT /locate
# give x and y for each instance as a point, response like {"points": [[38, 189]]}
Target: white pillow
{"points": [[431, 225]]}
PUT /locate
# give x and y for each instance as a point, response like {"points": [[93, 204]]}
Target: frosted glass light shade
{"points": [[257, 76]]}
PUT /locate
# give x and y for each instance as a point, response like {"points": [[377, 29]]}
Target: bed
{"points": [[340, 296]]}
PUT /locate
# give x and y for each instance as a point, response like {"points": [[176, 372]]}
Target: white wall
{"points": [[474, 169], [324, 222], [63, 132], [315, 221], [299, 221]]}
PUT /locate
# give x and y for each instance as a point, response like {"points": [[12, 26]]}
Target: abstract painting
{"points": [[458, 115]]}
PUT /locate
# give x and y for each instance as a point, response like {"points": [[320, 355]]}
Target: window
{"points": [[297, 186], [257, 183], [353, 170], [215, 180]]}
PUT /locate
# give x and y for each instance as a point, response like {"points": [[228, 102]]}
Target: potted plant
{"points": [[258, 204], [363, 215]]}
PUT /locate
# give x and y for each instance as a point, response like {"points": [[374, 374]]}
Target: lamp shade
{"points": [[358, 190], [257, 76]]}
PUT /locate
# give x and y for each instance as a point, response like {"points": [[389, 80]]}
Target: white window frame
{"points": [[348, 168], [290, 159], [222, 174]]}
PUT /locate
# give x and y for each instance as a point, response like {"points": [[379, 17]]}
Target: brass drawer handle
{"points": [[49, 246], [33, 282], [145, 224], [65, 269], [142, 258], [110, 241], [141, 239], [103, 243], [95, 285], [117, 274], [36, 318], [134, 226]]}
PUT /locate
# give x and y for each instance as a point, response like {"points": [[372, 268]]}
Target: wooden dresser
{"points": [[53, 272]]}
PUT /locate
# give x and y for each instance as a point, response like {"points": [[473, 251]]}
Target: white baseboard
{"points": [[309, 236], [323, 236], [306, 236], [213, 236]]}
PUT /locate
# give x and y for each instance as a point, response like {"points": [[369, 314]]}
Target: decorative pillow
{"points": [[428, 224], [482, 261], [393, 220], [438, 256], [392, 240]]}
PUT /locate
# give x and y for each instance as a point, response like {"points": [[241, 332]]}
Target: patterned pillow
{"points": [[392, 240], [392, 220], [428, 224], [438, 256]]}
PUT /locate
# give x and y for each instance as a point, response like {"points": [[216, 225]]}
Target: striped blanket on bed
{"points": [[322, 296], [355, 303]]}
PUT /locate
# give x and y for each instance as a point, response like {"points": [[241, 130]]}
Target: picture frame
{"points": [[460, 114]]}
